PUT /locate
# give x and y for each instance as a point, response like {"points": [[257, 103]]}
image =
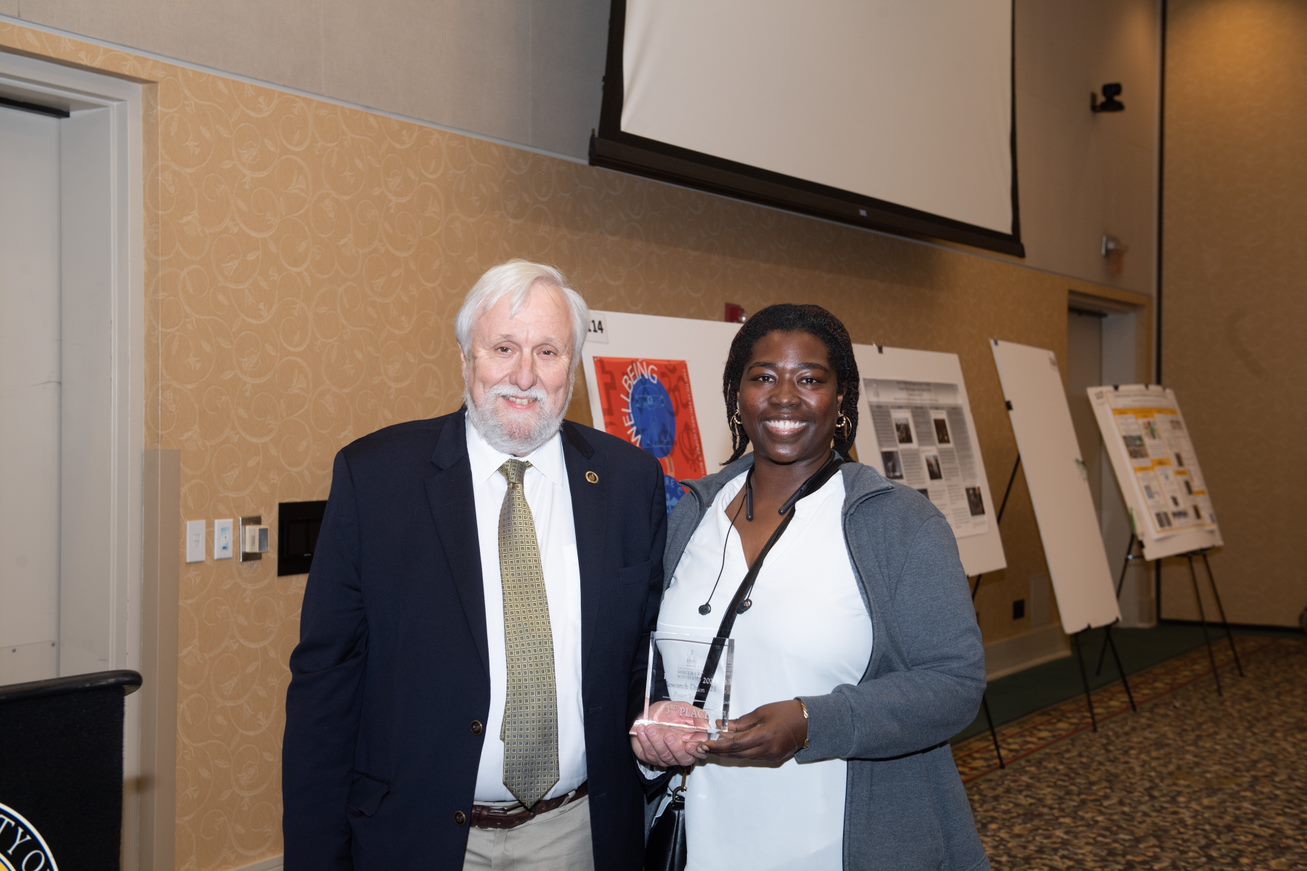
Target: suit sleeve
{"points": [[324, 699], [657, 527]]}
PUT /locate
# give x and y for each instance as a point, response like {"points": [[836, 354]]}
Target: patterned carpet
{"points": [[1195, 780]]}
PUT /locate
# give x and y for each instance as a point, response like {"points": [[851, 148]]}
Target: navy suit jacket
{"points": [[389, 685]]}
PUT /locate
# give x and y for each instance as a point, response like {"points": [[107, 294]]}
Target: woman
{"points": [[857, 652]]}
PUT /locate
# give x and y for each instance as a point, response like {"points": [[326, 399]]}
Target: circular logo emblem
{"points": [[652, 416], [21, 846]]}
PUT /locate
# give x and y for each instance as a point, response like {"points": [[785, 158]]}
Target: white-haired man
{"points": [[471, 642]]}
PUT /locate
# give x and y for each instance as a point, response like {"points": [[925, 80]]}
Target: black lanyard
{"points": [[740, 602]]}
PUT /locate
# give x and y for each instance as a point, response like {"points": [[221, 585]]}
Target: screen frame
{"points": [[613, 148]]}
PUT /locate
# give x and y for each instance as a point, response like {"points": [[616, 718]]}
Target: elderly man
{"points": [[471, 644]]}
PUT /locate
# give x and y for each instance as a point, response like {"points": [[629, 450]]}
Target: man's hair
{"points": [[790, 318], [514, 280]]}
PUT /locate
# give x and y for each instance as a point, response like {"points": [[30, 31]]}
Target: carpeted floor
{"points": [[1194, 780]]}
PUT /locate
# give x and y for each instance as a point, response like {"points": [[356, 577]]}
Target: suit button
{"points": [[460, 818], [477, 727]]}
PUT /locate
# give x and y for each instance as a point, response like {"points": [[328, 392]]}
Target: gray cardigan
{"points": [[905, 806]]}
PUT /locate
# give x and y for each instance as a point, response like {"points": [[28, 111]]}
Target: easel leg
{"points": [[1120, 582], [993, 733], [1211, 579], [1202, 617], [984, 699], [1012, 479], [1108, 642], [1084, 681]]}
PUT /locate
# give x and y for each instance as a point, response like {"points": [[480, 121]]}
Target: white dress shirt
{"points": [[548, 494]]}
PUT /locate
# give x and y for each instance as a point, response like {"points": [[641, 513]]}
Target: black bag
{"points": [[665, 849]]}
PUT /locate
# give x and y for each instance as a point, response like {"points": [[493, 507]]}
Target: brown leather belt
{"points": [[486, 816]]}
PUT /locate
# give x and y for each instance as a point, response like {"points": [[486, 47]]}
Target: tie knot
{"points": [[513, 470]]}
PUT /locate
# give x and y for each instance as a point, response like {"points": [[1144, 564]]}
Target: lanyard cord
{"points": [[741, 602]]}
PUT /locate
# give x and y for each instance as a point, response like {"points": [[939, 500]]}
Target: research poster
{"points": [[916, 427], [1156, 467], [656, 382], [649, 402]]}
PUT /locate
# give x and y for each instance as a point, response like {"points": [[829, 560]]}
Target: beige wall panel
{"points": [[304, 263], [1084, 174], [1236, 214], [568, 46], [464, 65], [9, 7], [276, 42]]}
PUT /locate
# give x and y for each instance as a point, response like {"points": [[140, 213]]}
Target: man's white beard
{"points": [[524, 437]]}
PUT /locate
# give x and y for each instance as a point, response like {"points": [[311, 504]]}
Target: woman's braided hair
{"points": [[788, 317]]}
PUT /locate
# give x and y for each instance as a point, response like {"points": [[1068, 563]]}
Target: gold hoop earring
{"points": [[844, 425]]}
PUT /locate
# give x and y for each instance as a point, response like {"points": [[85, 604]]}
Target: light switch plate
{"points": [[222, 538], [195, 541]]}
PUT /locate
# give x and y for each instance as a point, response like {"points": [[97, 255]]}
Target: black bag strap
{"points": [[714, 658]]}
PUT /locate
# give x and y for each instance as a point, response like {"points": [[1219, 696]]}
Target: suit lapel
{"points": [[453, 511], [588, 483]]}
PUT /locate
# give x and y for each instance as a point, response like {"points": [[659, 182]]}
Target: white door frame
{"points": [[102, 278], [1120, 364]]}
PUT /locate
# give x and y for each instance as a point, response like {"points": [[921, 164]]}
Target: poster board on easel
{"points": [[915, 427], [657, 383], [1059, 486], [1156, 467]]}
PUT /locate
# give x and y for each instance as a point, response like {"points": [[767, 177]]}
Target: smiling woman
{"points": [[856, 650]]}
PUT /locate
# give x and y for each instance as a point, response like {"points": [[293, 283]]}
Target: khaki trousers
{"points": [[555, 841]]}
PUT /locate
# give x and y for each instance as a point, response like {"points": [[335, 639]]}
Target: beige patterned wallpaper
{"points": [[305, 262], [1236, 215]]}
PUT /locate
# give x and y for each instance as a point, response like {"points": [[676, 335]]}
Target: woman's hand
{"points": [[673, 735], [770, 735]]}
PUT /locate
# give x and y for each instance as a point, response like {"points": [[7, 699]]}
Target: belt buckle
{"points": [[507, 817], [513, 815]]}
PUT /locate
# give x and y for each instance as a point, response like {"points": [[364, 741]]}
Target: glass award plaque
{"points": [[694, 673]]}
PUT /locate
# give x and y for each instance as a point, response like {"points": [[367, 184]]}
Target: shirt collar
{"points": [[486, 460]]}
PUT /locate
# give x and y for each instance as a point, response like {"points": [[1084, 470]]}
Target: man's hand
{"points": [[673, 735], [768, 736]]}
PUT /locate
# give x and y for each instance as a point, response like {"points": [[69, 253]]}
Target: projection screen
{"points": [[886, 114]]}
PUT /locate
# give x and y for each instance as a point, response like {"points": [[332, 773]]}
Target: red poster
{"points": [[648, 403]]}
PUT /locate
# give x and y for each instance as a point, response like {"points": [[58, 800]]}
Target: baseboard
{"points": [[1216, 627], [1025, 651]]}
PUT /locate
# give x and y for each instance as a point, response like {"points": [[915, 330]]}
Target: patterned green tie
{"points": [[530, 732]]}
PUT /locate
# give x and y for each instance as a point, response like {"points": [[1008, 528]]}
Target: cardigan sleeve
{"points": [[927, 673]]}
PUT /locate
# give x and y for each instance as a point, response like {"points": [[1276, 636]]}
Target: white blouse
{"points": [[807, 632]]}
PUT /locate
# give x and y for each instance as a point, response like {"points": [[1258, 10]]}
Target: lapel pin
{"points": [[592, 477]]}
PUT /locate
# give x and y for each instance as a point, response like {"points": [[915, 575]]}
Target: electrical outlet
{"points": [[222, 538]]}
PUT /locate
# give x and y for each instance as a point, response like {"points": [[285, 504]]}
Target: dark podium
{"points": [[61, 765]]}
